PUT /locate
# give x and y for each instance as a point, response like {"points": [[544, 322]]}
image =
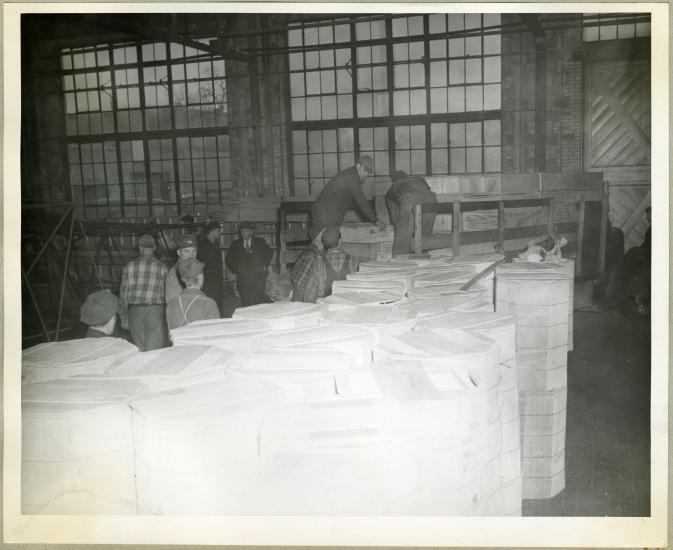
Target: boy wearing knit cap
{"points": [[191, 304], [309, 274], [99, 311]]}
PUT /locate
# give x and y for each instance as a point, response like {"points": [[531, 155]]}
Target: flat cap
{"points": [[330, 238], [367, 162], [187, 241], [190, 268], [99, 308], [146, 241]]}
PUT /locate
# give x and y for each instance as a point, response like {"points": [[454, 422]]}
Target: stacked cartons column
{"points": [[538, 301]]}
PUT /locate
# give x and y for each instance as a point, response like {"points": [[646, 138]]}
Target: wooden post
{"points": [[501, 225], [49, 239], [580, 235], [282, 255], [604, 214], [550, 219], [65, 276], [37, 307], [455, 219], [418, 233]]}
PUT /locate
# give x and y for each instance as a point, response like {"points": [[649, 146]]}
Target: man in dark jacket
{"points": [[249, 258], [209, 252], [405, 192], [339, 194]]}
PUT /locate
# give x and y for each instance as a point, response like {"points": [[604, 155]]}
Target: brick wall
{"points": [[563, 133]]}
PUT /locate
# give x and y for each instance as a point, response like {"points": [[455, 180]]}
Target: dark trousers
{"points": [[251, 288], [402, 218], [148, 326]]}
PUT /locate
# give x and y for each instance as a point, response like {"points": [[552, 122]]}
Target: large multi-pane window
{"points": [[146, 125], [613, 26], [420, 93]]}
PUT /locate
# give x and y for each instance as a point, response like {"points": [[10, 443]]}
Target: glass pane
{"points": [[438, 75], [315, 165], [401, 102], [312, 83], [403, 161], [366, 139], [492, 159], [346, 139], [342, 33], [312, 60], [329, 141], [438, 134], [418, 162], [417, 136], [492, 69], [492, 96], [310, 36], [378, 54], [294, 37], [298, 112], [472, 20], [437, 48], [416, 74], [456, 47], [440, 161], [345, 106], [299, 141], [457, 100], [456, 71], [402, 137], [327, 58], [365, 79], [473, 159], [363, 55], [437, 22], [438, 100], [590, 34], [456, 21], [473, 70], [473, 45], [457, 159], [492, 44], [344, 81], [416, 25], [400, 52], [608, 32], [417, 102], [378, 29], [401, 76], [365, 108], [473, 98], [491, 132], [400, 27], [313, 108], [379, 78], [380, 139], [416, 50], [296, 61], [473, 133], [329, 107], [325, 35], [331, 166], [381, 104], [327, 82]]}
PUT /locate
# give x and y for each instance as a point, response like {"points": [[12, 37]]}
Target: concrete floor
{"points": [[608, 422]]}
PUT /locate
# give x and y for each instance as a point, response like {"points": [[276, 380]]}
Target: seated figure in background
{"points": [[309, 275], [99, 312], [186, 249], [338, 264], [405, 192], [629, 285], [191, 304]]}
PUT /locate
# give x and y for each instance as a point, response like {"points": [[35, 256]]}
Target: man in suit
{"points": [[249, 258]]}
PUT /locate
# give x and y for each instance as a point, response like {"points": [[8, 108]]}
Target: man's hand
{"points": [[380, 224]]}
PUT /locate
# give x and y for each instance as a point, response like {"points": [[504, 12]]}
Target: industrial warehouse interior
{"points": [[347, 264]]}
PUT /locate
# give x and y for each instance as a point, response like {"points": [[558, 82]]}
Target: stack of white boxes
{"points": [[538, 299]]}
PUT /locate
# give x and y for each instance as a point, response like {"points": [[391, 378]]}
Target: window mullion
{"points": [[146, 151], [174, 142], [113, 84]]}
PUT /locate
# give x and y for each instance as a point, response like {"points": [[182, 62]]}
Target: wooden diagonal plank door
{"points": [[617, 139]]}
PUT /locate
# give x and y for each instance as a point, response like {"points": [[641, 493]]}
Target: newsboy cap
{"points": [[187, 241], [99, 308], [190, 268]]}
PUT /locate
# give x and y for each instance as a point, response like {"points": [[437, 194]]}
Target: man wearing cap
{"points": [[191, 304], [249, 258], [405, 192], [309, 274], [186, 249], [339, 194], [142, 298], [99, 311]]}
